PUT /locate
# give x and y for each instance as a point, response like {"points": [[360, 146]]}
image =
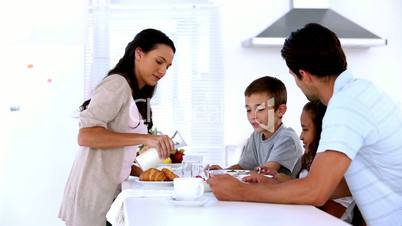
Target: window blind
{"points": [[190, 96]]}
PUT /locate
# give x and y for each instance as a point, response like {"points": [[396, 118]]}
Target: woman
{"points": [[112, 126]]}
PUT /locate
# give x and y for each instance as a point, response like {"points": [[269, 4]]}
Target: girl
{"points": [[311, 123]]}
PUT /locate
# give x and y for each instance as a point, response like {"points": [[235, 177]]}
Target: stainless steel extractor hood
{"points": [[349, 33]]}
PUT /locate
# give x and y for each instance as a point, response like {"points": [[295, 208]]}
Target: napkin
{"points": [[115, 215]]}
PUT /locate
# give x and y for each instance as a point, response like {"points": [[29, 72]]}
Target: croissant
{"points": [[169, 174], [153, 174]]}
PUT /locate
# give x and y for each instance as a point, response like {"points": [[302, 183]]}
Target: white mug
{"points": [[188, 188], [148, 159]]}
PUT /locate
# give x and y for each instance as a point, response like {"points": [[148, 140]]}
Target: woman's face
{"points": [[152, 66], [308, 130]]}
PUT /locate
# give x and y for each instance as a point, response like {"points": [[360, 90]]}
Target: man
{"points": [[361, 138]]}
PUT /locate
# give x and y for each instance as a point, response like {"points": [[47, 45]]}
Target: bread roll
{"points": [[169, 174], [153, 174]]}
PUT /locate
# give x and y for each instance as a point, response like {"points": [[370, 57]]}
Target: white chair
{"points": [[232, 154]]}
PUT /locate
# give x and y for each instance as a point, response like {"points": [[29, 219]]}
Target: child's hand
{"points": [[266, 171], [214, 167]]}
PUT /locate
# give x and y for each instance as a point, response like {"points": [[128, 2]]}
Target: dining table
{"points": [[162, 210]]}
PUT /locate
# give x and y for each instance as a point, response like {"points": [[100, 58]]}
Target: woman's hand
{"points": [[135, 171], [163, 143]]}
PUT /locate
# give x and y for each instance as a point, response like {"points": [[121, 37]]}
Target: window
{"points": [[190, 97]]}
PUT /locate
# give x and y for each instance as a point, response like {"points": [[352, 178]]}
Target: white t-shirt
{"points": [[366, 125]]}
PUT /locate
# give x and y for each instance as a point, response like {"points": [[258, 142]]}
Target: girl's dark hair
{"points": [[317, 112], [315, 49], [146, 40]]}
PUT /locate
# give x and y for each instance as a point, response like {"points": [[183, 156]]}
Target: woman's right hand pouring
{"points": [[163, 143]]}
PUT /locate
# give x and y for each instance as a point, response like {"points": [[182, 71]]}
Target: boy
{"points": [[271, 145]]}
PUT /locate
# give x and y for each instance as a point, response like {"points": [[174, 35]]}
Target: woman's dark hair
{"points": [[146, 40], [317, 112], [315, 49]]}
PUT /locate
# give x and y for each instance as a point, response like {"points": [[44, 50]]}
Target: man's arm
{"points": [[218, 167], [342, 190], [325, 174]]}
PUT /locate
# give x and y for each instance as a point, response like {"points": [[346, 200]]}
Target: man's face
{"points": [[305, 87]]}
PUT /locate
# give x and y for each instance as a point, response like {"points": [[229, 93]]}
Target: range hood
{"points": [[349, 33]]}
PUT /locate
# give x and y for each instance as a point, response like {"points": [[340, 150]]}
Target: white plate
{"points": [[198, 202], [169, 166], [155, 183], [235, 173], [239, 172]]}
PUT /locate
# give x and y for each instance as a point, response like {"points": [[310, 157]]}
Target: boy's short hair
{"points": [[271, 86]]}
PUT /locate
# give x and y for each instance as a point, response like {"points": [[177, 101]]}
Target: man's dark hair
{"points": [[315, 49]]}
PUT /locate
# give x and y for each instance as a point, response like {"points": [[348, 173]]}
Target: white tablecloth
{"points": [[159, 211]]}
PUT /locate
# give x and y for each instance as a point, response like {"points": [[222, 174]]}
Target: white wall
{"points": [[245, 19], [41, 61], [38, 143], [242, 20]]}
